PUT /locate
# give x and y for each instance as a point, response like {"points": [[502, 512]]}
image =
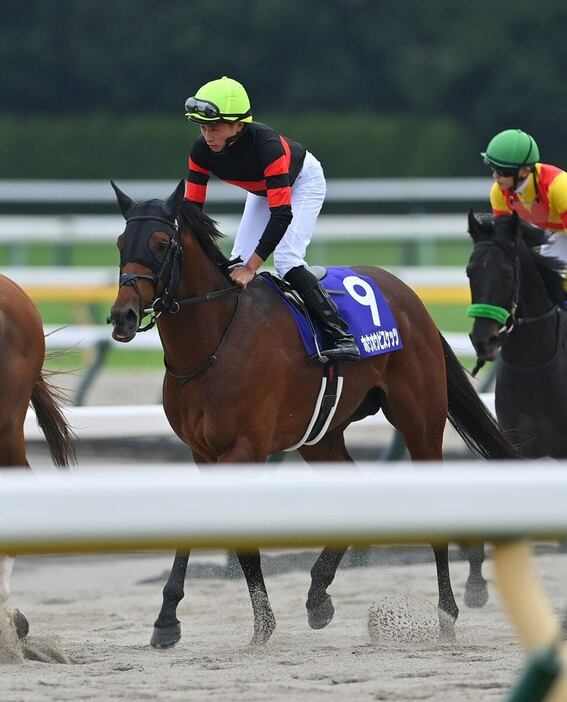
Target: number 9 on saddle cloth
{"points": [[361, 305]]}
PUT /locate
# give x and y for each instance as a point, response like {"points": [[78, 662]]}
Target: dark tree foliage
{"points": [[484, 65]]}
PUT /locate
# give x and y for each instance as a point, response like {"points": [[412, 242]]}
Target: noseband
{"points": [[506, 317]]}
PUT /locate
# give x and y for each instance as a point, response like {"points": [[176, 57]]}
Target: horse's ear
{"points": [[474, 225], [125, 202], [173, 202]]}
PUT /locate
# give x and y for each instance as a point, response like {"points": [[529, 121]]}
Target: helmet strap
{"points": [[230, 140]]}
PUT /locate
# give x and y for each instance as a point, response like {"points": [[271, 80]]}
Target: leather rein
{"points": [[169, 273]]}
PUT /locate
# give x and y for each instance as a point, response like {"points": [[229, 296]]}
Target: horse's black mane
{"points": [[205, 230], [530, 240]]}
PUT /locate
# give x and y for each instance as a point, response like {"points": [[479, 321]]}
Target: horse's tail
{"points": [[468, 414], [46, 401]]}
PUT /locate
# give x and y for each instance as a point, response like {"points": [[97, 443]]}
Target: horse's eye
{"points": [[162, 246]]}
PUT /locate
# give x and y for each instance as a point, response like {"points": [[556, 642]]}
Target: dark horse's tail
{"points": [[45, 400], [468, 414]]}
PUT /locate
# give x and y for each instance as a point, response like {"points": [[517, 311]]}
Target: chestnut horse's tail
{"points": [[46, 401], [468, 414]]}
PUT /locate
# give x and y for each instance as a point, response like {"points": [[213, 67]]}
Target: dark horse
{"points": [[22, 354], [238, 386], [518, 304]]}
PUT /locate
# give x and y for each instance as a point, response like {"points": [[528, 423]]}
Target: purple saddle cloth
{"points": [[361, 304]]}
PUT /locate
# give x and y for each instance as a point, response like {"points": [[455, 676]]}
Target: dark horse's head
{"points": [[502, 247], [151, 256]]}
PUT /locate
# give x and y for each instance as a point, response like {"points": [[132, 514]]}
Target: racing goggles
{"points": [[202, 108], [502, 172], [208, 110]]}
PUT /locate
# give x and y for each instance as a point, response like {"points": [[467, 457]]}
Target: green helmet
{"points": [[222, 100], [511, 148]]}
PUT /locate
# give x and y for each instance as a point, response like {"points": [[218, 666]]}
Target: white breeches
{"points": [[307, 197]]}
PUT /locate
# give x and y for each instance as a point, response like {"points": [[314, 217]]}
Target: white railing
{"points": [[82, 229], [243, 506], [137, 421], [95, 276], [338, 190], [92, 284], [82, 336]]}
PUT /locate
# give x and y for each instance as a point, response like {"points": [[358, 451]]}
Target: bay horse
{"points": [[23, 381], [238, 386], [518, 306]]}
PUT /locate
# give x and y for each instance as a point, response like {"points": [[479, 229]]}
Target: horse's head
{"points": [[150, 259], [494, 276]]}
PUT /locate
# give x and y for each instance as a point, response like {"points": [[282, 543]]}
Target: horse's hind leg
{"points": [[320, 609], [264, 620], [476, 589], [421, 423], [167, 628], [13, 454], [15, 616]]}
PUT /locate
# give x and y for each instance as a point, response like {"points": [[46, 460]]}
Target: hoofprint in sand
{"points": [[96, 613]]}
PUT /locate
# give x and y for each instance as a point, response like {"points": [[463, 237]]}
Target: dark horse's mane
{"points": [[204, 228], [530, 240]]}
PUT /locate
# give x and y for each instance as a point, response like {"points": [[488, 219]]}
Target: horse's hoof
{"points": [[446, 627], [263, 629], [166, 636], [21, 623], [476, 594], [321, 614]]}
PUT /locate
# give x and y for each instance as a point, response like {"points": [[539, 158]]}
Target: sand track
{"points": [[98, 612]]}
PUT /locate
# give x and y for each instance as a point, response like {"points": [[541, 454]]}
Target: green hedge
{"points": [[156, 146]]}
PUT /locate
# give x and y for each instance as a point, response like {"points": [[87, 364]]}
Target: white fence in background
{"points": [[83, 229], [244, 506], [93, 276], [418, 233], [338, 190], [84, 336], [137, 421]]}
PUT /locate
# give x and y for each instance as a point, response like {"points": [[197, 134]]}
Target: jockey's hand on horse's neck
{"points": [[242, 275]]}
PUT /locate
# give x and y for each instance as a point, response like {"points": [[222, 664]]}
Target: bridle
{"points": [[507, 317], [168, 273]]}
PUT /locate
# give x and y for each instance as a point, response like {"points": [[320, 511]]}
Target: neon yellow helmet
{"points": [[221, 100], [512, 149]]}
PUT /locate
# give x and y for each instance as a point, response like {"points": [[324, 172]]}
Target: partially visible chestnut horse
{"points": [[238, 386], [22, 353]]}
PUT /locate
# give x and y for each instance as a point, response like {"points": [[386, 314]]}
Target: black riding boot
{"points": [[319, 303]]}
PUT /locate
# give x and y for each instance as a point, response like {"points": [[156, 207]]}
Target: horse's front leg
{"points": [[264, 619], [447, 608], [14, 616], [167, 628], [476, 589]]}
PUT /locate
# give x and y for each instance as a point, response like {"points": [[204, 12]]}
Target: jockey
{"points": [[536, 191], [286, 189]]}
